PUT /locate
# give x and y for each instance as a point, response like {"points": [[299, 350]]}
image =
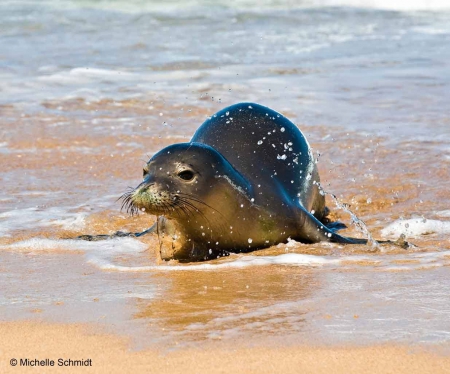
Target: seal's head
{"points": [[198, 193], [178, 181]]}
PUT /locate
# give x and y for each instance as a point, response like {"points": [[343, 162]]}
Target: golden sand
{"points": [[112, 354]]}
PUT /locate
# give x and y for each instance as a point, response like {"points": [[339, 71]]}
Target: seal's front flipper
{"points": [[148, 231], [91, 238], [117, 234], [174, 244]]}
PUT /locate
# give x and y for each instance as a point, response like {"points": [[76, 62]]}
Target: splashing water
{"points": [[358, 223]]}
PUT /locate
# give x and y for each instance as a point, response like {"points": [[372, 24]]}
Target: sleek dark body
{"points": [[254, 184], [247, 180]]}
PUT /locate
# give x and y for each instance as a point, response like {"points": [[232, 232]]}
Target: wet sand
{"points": [[357, 306], [111, 354]]}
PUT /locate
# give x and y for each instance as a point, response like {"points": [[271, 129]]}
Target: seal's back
{"points": [[268, 150]]}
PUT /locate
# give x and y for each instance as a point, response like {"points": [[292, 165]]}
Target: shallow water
{"points": [[90, 90]]}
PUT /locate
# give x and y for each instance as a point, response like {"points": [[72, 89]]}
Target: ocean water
{"points": [[89, 90]]}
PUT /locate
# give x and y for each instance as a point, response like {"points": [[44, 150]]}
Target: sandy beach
{"points": [[111, 354]]}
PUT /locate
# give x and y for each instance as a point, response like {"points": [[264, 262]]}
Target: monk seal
{"points": [[247, 180]]}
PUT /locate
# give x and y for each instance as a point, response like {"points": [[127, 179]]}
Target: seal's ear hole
{"points": [[186, 175]]}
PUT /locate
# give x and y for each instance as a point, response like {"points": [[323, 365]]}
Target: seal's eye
{"points": [[186, 175], [144, 172]]}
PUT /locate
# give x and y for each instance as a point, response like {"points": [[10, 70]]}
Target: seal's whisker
{"points": [[127, 192], [165, 208], [177, 211], [185, 211], [190, 197], [129, 205], [197, 211], [125, 198]]}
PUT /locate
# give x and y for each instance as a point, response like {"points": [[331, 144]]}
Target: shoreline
{"points": [[108, 353]]}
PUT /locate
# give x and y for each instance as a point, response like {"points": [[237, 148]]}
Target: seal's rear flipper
{"points": [[336, 226], [314, 231]]}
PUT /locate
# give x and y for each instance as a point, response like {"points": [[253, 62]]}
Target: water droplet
{"points": [[250, 240], [282, 129], [260, 142]]}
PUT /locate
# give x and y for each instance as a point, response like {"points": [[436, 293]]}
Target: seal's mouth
{"points": [[147, 198]]}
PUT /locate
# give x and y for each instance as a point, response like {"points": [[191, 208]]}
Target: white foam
{"points": [[111, 246], [241, 262], [248, 5], [71, 223], [443, 213], [388, 4], [415, 227], [85, 74], [104, 255], [32, 217]]}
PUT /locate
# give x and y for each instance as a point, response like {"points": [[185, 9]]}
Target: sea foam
{"points": [[107, 254], [34, 217], [111, 246], [415, 227]]}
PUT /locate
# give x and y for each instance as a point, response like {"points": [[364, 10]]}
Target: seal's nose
{"points": [[145, 184]]}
